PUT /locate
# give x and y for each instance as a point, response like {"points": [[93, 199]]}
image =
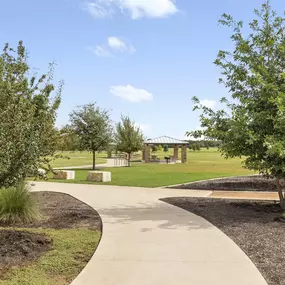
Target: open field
{"points": [[78, 158], [201, 165]]}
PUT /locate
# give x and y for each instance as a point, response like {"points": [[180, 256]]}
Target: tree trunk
{"points": [[129, 160], [280, 193], [94, 154]]}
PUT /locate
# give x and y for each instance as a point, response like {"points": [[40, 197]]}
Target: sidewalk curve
{"points": [[148, 242]]}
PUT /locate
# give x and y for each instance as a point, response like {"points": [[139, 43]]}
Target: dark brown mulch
{"points": [[241, 183], [17, 247], [62, 211], [251, 225], [59, 211]]}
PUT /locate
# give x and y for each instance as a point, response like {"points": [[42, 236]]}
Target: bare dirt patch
{"points": [[17, 247], [251, 225]]}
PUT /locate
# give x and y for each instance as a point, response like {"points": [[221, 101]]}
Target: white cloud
{"points": [[101, 51], [114, 44], [130, 93], [119, 45], [134, 8], [209, 103], [96, 10]]}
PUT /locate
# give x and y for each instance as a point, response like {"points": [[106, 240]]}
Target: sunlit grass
{"points": [[78, 158], [72, 248], [201, 165]]}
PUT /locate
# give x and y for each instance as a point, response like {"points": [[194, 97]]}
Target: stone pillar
{"points": [[143, 153], [147, 154], [175, 151], [184, 154]]}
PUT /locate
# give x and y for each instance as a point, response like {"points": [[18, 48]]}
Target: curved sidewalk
{"points": [[148, 242]]}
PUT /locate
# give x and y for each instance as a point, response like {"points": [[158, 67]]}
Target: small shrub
{"points": [[109, 153], [17, 205]]}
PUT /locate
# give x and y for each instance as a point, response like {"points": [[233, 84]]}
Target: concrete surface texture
{"points": [[148, 242]]}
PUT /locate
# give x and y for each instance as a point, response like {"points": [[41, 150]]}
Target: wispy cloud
{"points": [[131, 94], [100, 50], [113, 45], [96, 10], [119, 45], [133, 8]]}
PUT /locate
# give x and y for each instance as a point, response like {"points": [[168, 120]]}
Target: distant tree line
{"points": [[198, 144]]}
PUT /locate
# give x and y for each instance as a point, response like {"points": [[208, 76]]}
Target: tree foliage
{"points": [[93, 127], [165, 148], [252, 125], [128, 137], [28, 112], [68, 140], [154, 148]]}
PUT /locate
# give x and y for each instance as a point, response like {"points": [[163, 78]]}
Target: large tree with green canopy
{"points": [[93, 127], [28, 112], [128, 137], [252, 123]]}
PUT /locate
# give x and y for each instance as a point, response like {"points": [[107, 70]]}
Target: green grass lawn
{"points": [[71, 248], [201, 165], [78, 158]]}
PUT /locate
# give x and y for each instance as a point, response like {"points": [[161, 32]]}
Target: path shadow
{"points": [[158, 215]]}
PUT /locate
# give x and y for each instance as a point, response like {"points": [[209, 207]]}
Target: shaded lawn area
{"points": [[201, 165], [69, 233], [78, 158], [251, 225]]}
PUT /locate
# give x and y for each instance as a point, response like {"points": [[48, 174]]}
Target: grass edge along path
{"points": [[72, 249]]}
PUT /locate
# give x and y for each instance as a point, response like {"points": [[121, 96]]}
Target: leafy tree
{"points": [[128, 137], [154, 148], [68, 140], [165, 148], [254, 73], [198, 147], [160, 148], [195, 146], [207, 145], [28, 110], [93, 127]]}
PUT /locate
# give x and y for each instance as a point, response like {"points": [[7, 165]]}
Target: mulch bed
{"points": [[59, 211], [251, 225], [17, 247], [241, 183]]}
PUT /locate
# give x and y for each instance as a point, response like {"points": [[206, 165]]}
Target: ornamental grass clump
{"points": [[17, 205]]}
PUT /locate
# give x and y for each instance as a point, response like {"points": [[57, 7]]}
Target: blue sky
{"points": [[142, 58]]}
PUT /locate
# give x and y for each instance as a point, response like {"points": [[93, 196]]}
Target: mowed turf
{"points": [[78, 158], [205, 164]]}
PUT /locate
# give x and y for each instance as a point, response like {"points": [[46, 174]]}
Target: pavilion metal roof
{"points": [[165, 140]]}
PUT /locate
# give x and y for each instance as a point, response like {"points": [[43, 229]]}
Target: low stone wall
{"points": [[99, 176], [64, 175]]}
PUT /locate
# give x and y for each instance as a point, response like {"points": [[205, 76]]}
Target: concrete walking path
{"points": [[111, 162], [148, 242]]}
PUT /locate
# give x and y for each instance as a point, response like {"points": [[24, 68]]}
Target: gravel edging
{"points": [[237, 183], [251, 225]]}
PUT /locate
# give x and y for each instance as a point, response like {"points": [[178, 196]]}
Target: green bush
{"points": [[109, 153], [17, 205]]}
